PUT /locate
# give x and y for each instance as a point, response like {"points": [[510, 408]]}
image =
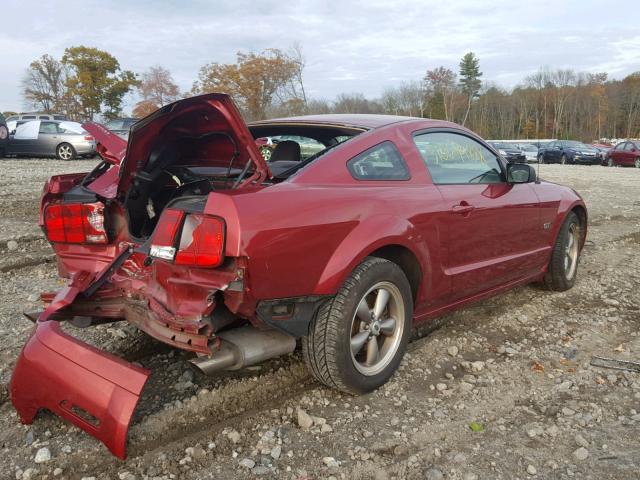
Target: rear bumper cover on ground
{"points": [[94, 390]]}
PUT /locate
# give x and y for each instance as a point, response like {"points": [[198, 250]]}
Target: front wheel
{"points": [[358, 338], [610, 162], [540, 158], [563, 266], [563, 160], [65, 152], [637, 162]]}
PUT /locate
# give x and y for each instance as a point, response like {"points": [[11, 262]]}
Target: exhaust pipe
{"points": [[245, 346]]}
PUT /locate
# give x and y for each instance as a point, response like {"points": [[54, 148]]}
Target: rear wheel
{"points": [[563, 160], [357, 340], [637, 162], [266, 153], [563, 267], [65, 151]]}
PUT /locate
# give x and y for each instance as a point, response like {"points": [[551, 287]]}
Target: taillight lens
{"points": [[75, 223], [201, 242], [164, 236], [89, 138]]}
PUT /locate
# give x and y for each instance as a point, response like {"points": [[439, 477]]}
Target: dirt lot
{"points": [[515, 368]]}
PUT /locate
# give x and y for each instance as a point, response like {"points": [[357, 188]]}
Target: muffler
{"points": [[241, 347]]}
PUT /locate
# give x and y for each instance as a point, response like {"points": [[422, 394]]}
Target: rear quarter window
{"points": [[380, 162]]}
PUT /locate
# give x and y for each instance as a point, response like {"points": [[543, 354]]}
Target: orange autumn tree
{"points": [[255, 81], [156, 88]]}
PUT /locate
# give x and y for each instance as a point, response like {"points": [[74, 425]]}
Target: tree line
{"points": [[86, 82]]}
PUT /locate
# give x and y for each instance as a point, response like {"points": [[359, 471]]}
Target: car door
{"points": [[617, 154], [492, 225], [47, 138], [629, 154], [23, 141]]}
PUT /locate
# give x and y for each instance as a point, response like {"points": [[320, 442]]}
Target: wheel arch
{"points": [[406, 260], [402, 245]]}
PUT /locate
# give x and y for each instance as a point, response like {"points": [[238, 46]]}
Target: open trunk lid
{"points": [[192, 119]]}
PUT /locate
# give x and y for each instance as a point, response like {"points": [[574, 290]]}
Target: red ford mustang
{"points": [[189, 234]]}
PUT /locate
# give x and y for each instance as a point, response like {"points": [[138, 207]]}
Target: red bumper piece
{"points": [[94, 390]]}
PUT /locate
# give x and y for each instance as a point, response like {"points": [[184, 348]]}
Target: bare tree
{"points": [[43, 86]]}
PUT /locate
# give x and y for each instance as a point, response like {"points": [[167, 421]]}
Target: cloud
{"points": [[361, 46]]}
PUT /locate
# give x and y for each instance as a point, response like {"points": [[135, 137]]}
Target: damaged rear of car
{"points": [[150, 236]]}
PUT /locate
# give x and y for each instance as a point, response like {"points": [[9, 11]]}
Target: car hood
{"points": [[192, 117]]}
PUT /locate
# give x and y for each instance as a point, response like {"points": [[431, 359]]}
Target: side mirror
{"points": [[520, 173]]}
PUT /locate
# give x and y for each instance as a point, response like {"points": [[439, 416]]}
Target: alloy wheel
{"points": [[376, 328], [65, 152], [637, 162], [571, 251], [266, 153]]}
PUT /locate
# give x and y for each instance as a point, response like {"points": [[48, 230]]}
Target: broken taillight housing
{"points": [[75, 223], [200, 243]]}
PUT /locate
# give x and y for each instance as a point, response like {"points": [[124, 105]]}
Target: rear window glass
{"points": [[381, 162]]}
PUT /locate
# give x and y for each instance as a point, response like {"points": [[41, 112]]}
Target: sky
{"points": [[349, 46]]}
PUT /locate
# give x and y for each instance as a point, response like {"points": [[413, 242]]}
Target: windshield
{"points": [[528, 147], [575, 144]]}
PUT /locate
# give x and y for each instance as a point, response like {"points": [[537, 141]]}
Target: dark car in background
{"points": [[4, 135], [624, 154], [121, 126], [510, 152], [569, 152], [49, 138]]}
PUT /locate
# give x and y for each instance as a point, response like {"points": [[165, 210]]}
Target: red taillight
{"points": [[89, 138], [75, 223], [201, 241], [163, 244]]}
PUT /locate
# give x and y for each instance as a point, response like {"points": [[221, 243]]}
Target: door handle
{"points": [[462, 208]]}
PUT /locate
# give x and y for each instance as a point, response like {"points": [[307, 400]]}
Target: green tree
{"points": [[470, 79], [95, 82]]}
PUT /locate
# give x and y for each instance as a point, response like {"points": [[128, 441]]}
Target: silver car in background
{"points": [[49, 138]]}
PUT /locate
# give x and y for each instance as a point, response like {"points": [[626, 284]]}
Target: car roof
{"points": [[366, 121]]}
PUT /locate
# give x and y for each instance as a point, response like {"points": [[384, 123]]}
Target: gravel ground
{"points": [[499, 390]]}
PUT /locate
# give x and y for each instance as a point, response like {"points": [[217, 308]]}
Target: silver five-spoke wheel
{"points": [[376, 328], [572, 251]]}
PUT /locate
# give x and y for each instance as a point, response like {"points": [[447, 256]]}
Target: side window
{"points": [[44, 117], [457, 159], [628, 146], [381, 162], [48, 127], [28, 117]]}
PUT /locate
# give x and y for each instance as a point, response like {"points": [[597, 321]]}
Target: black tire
{"points": [[610, 162], [557, 277], [563, 159], [327, 347], [541, 158], [65, 151]]}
